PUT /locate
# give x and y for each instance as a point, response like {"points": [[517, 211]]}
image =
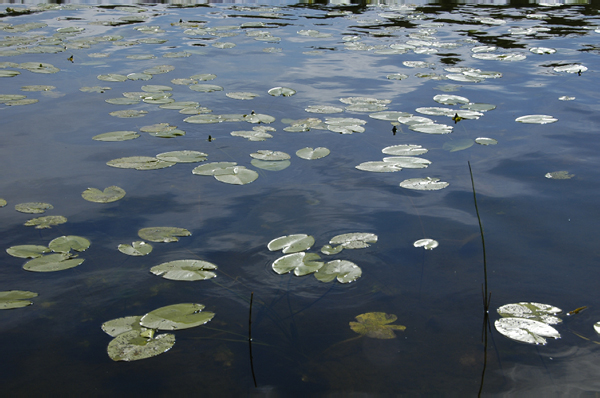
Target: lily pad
{"points": [[485, 141], [391, 116], [526, 330], [241, 95], [3, 202], [129, 113], [431, 128], [354, 240], [33, 207], [46, 222], [559, 175], [311, 154], [205, 88], [182, 156], [258, 118], [330, 250], [52, 262], [269, 155], [292, 243], [342, 270], [424, 184], [301, 263], [404, 150], [236, 175], [536, 311], [448, 99], [536, 119], [65, 244], [163, 234], [427, 244], [323, 109], [376, 325], [597, 327], [140, 163], [15, 299], [27, 251], [379, 167], [176, 317], [114, 136], [137, 248], [253, 135], [131, 346], [110, 194], [112, 77], [283, 91], [185, 270], [408, 162], [115, 327], [574, 68], [209, 169]]}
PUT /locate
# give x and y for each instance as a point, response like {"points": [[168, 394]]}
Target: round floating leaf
{"points": [[46, 222], [52, 262], [542, 50], [37, 87], [163, 234], [131, 346], [114, 136], [431, 128], [65, 244], [112, 77], [536, 311], [485, 141], [574, 68], [110, 194], [253, 135], [397, 76], [156, 70], [284, 91], [21, 102], [330, 250], [536, 119], [447, 99], [139, 163], [404, 150], [15, 299], [205, 88], [128, 113], [391, 116], [311, 154], [176, 316], [271, 165], [123, 101], [204, 77], [379, 167], [183, 156], [209, 169], [33, 207], [408, 162], [137, 248], [478, 107], [566, 98], [526, 330], [9, 73], [354, 240], [597, 327], [559, 175], [424, 184], [292, 243], [3, 202], [241, 95], [264, 154], [115, 327], [236, 175], [323, 109], [27, 251], [156, 88], [185, 270], [301, 263], [376, 325], [427, 244], [259, 118], [344, 271]]}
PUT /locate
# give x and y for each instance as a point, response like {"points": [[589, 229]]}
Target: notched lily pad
{"points": [[236, 175], [342, 270], [115, 327], [404, 150], [139, 163], [301, 263], [185, 270], [33, 207], [283, 91], [526, 330], [176, 316], [52, 262], [110, 194], [131, 346], [536, 119], [311, 154], [15, 299], [264, 154], [424, 184], [115, 136], [559, 175], [427, 244], [354, 240], [137, 248], [64, 244], [27, 251], [529, 310], [209, 169], [182, 156], [376, 325], [163, 234], [46, 222], [292, 243]]}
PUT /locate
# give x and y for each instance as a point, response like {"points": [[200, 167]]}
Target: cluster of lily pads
{"points": [[61, 259], [296, 258]]}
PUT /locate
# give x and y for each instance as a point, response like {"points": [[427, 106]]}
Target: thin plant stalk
{"points": [[250, 338]]}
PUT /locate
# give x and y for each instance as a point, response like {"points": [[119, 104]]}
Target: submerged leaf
{"points": [[176, 316], [163, 234], [131, 346], [271, 165], [110, 194], [376, 325], [185, 270], [137, 248], [15, 299], [345, 271]]}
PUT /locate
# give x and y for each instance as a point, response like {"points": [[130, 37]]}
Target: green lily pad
{"points": [[485, 141], [323, 109], [205, 88], [9, 73], [137, 248], [526, 330], [330, 250], [536, 311], [258, 118], [408, 162], [185, 270], [242, 95], [574, 68], [52, 262], [131, 346], [301, 263], [478, 107], [427, 244], [253, 135], [345, 271], [292, 243], [139, 163], [536, 119], [448, 99], [311, 154], [283, 91], [236, 175], [112, 77], [176, 316], [397, 76], [114, 136], [182, 156], [46, 222], [424, 184], [204, 77], [271, 165], [37, 87], [122, 101], [163, 234], [270, 155], [115, 327], [128, 113], [404, 150], [15, 299], [209, 169], [33, 207], [157, 70], [3, 202], [376, 325], [431, 128], [559, 175], [110, 194], [597, 327], [27, 251], [354, 240], [65, 244], [379, 167]]}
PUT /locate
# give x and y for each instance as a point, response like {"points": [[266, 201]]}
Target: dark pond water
{"points": [[541, 233]]}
